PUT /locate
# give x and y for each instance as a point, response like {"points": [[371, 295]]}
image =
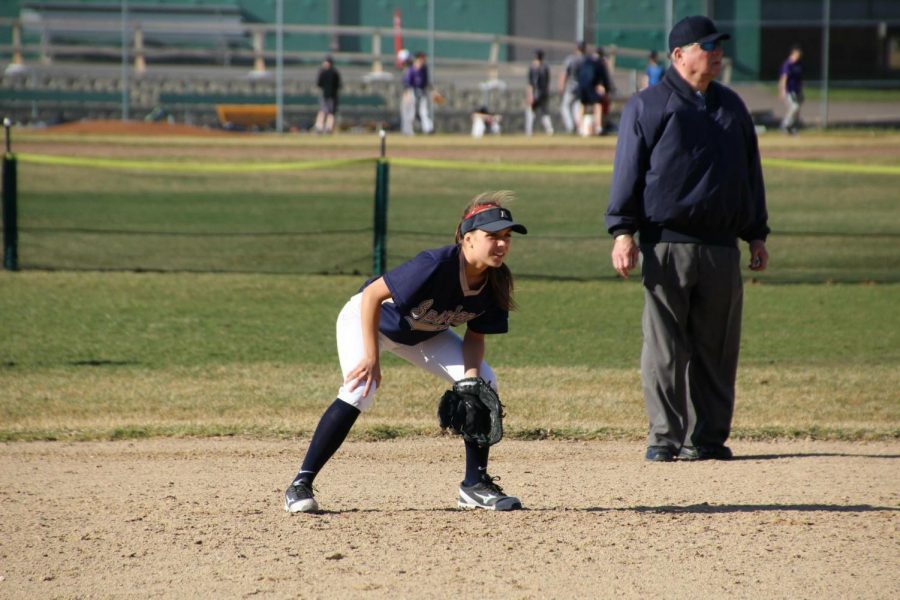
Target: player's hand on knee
{"points": [[367, 372]]}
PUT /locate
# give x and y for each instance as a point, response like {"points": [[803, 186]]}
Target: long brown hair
{"points": [[500, 278]]}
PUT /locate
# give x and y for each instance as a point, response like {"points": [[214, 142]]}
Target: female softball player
{"points": [[409, 312]]}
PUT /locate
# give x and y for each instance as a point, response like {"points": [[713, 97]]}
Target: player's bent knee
{"points": [[356, 398]]}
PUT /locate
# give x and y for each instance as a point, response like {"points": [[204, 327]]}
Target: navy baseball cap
{"points": [[694, 30], [491, 219]]}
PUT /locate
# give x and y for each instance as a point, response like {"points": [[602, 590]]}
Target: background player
{"points": [[329, 82], [537, 95], [409, 312], [570, 105], [790, 89], [594, 87]]}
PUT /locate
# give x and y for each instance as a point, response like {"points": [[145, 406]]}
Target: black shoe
{"points": [[660, 454], [688, 453], [717, 452], [299, 498], [487, 495]]}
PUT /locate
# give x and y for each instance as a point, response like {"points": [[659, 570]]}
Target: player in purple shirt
{"points": [[790, 89], [417, 78], [409, 312]]}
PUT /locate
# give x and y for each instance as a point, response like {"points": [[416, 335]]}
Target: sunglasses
{"points": [[707, 46]]}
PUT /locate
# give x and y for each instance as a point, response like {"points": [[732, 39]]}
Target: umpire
{"points": [[687, 180]]}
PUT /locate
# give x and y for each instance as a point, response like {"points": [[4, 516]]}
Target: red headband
{"points": [[480, 209]]}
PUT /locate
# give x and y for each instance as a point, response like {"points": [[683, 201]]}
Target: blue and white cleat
{"points": [[488, 495], [299, 498]]}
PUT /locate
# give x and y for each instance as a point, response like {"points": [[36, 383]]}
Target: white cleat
{"points": [[299, 498]]}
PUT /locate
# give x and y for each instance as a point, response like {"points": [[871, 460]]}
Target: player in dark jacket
{"points": [[594, 87], [537, 99], [687, 179], [329, 82], [409, 312]]}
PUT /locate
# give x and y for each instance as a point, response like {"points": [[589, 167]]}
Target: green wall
{"points": [[484, 16], [8, 9], [472, 16], [304, 12], [744, 46], [642, 24], [296, 12], [632, 24], [626, 23]]}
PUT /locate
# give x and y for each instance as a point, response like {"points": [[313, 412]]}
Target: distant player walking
{"points": [[409, 312], [537, 98], [570, 104], [790, 88], [329, 82]]}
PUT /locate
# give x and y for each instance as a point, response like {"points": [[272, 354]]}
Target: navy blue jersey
{"points": [[430, 295]]}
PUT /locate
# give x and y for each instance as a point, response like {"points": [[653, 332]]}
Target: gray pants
{"points": [[568, 110], [693, 297], [792, 116]]}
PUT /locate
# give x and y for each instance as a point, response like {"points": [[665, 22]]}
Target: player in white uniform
{"points": [[409, 311]]}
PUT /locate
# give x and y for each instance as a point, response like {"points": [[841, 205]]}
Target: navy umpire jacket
{"points": [[687, 167]]}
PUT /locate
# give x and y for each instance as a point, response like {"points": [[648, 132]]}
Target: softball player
{"points": [[409, 312]]}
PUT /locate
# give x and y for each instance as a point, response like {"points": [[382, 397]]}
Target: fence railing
{"points": [[256, 51]]}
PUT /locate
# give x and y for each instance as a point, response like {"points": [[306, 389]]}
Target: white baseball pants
{"points": [[440, 355]]}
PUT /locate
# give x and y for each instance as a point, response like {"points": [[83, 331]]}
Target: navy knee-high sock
{"points": [[476, 463], [330, 433]]}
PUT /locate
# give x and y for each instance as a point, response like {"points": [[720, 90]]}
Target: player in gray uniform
{"points": [[409, 312], [570, 106]]}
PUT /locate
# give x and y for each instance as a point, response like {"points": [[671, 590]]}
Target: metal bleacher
{"points": [[185, 62], [93, 24]]}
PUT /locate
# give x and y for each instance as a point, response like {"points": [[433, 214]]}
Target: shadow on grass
{"points": [[100, 362]]}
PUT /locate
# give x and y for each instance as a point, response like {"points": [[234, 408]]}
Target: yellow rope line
{"points": [[456, 165]]}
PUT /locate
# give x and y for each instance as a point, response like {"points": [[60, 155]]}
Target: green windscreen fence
{"points": [[184, 216], [303, 217], [561, 205], [831, 222]]}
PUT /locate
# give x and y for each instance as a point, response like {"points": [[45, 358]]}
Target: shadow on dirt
{"points": [[811, 455], [705, 508]]}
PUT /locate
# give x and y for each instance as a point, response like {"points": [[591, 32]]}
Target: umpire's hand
{"points": [[759, 256], [624, 254]]}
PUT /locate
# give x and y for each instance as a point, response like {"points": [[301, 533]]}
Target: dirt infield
{"points": [[197, 518]]}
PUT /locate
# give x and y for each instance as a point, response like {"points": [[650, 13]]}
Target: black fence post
{"points": [[10, 211], [379, 249]]}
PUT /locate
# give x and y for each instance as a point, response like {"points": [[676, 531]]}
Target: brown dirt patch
{"points": [[140, 128], [203, 518]]}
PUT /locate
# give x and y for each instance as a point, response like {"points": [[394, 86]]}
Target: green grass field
{"points": [[828, 226], [814, 94], [236, 333]]}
